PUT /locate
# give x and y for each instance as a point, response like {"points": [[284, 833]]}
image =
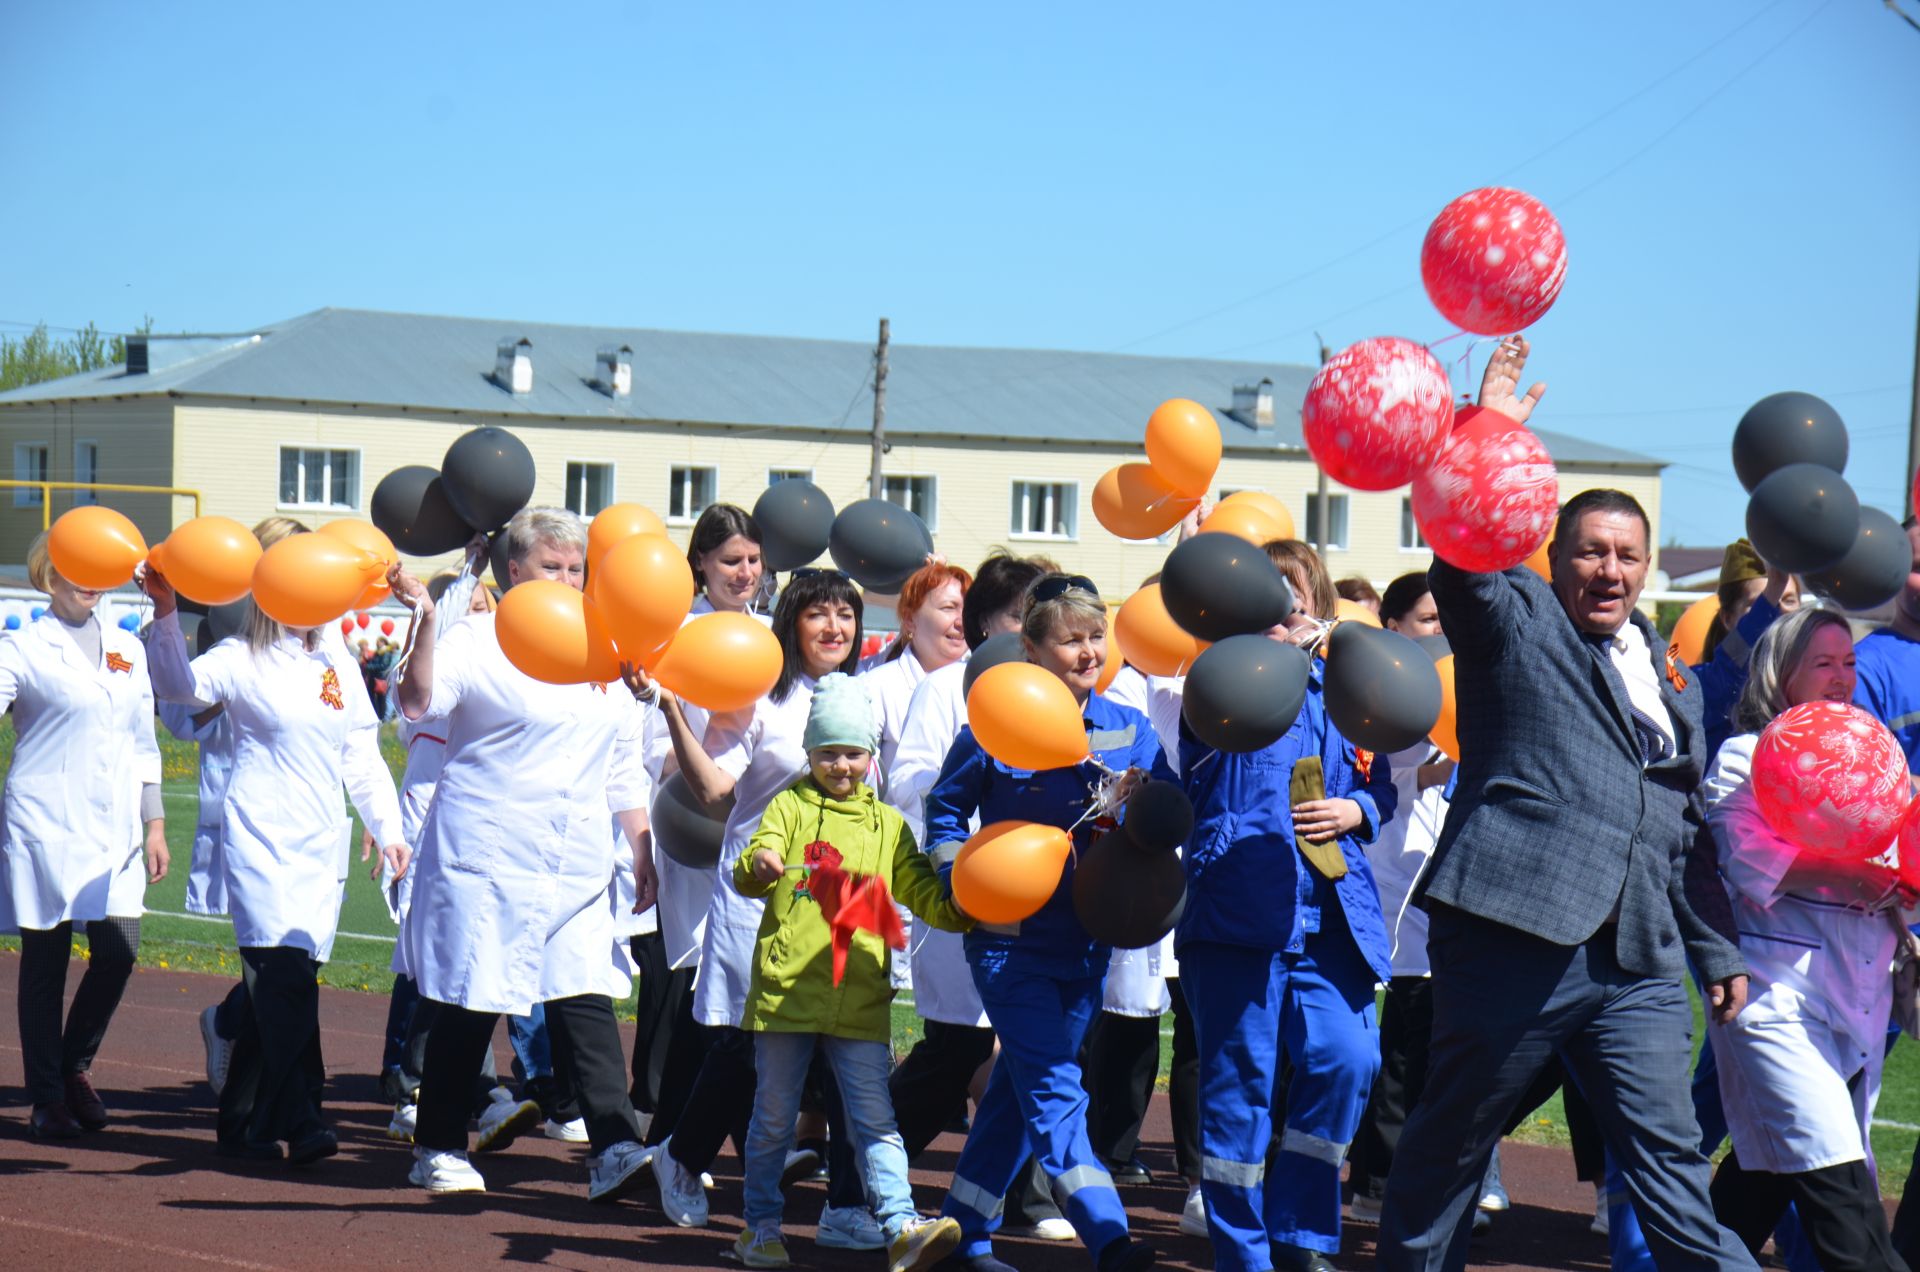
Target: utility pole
{"points": [[1913, 419], [1321, 517], [876, 480]]}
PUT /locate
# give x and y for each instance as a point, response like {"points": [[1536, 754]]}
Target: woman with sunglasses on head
{"points": [[1040, 980]]}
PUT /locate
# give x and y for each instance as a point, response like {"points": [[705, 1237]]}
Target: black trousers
{"points": [[1183, 1086], [930, 1085], [48, 1052], [667, 1046], [1406, 1030], [585, 1039], [413, 1066], [1906, 1220], [277, 1072], [1119, 1062], [1839, 1209]]}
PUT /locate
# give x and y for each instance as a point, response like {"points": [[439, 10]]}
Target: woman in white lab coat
{"points": [[84, 779], [509, 904], [302, 728], [1800, 1065]]}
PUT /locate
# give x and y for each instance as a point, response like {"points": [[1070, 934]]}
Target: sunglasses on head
{"points": [[814, 571], [1055, 586]]}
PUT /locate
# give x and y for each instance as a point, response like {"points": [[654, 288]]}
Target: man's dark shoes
{"points": [[312, 1146], [84, 1102], [54, 1122], [1131, 1172], [1124, 1254], [1293, 1258]]}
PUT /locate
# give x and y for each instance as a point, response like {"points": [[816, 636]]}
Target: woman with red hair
{"points": [[931, 637]]}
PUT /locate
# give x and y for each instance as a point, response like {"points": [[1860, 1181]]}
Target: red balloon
{"points": [[1831, 779], [1908, 865], [1489, 502], [386, 627], [1493, 261], [346, 627], [1377, 413], [362, 621]]}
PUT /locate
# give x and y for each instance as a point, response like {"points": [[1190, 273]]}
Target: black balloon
{"points": [[1437, 647], [688, 832], [1874, 570], [1219, 585], [1005, 647], [497, 555], [410, 506], [1803, 518], [796, 520], [1126, 896], [1159, 817], [488, 475], [1787, 428], [879, 544], [1381, 688], [1245, 692]]}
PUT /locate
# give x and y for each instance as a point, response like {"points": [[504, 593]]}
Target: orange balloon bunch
{"points": [[553, 633], [208, 559], [721, 661], [308, 580], [1026, 718], [643, 587], [1153, 641], [369, 538], [95, 547], [615, 524], [1254, 515], [1140, 501], [1006, 871]]}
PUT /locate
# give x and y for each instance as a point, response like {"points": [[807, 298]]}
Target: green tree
{"points": [[37, 356]]}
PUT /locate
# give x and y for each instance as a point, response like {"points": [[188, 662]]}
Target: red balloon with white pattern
{"points": [[1832, 780], [1489, 501], [1493, 261], [1377, 413]]}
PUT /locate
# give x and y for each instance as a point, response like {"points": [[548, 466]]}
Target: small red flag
{"points": [[854, 903]]}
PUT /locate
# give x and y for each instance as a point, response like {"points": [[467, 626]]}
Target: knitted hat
{"points": [[841, 715], [1741, 563]]}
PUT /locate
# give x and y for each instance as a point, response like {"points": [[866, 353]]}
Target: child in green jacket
{"points": [[831, 818]]}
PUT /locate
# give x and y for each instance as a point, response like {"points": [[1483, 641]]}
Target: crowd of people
{"points": [[1532, 912]]}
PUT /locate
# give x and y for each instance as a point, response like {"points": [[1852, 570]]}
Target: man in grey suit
{"points": [[1560, 896]]}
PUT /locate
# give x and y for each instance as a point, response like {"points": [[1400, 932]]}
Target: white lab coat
{"points": [[302, 726], [1817, 1004], [1401, 851], [84, 745], [207, 872], [509, 906], [891, 687], [625, 892]]}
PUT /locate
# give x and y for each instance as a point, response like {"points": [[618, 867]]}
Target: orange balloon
{"points": [[616, 523], [94, 547], [644, 587], [1134, 502], [1154, 642], [1539, 564], [549, 631], [1183, 445], [1026, 718], [722, 661], [1269, 504], [1689, 641], [1446, 730], [364, 534], [209, 559], [377, 592], [1248, 520], [1354, 611], [308, 580], [1007, 870], [1116, 657]]}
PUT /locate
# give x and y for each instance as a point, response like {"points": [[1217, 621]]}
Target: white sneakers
{"points": [[219, 1051], [441, 1172], [922, 1243], [400, 1129], [1193, 1215], [1364, 1208], [574, 1132], [504, 1121], [1058, 1228], [682, 1196], [849, 1228], [763, 1249], [616, 1172]]}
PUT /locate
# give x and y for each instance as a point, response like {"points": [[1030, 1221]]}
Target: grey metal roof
{"points": [[379, 359]]}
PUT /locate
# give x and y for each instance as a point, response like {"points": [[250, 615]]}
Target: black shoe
{"points": [[84, 1102], [249, 1150], [1124, 1254], [1132, 1172], [1293, 1258], [54, 1122], [960, 1124], [311, 1147]]}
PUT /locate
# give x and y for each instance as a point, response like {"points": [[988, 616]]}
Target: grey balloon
{"points": [[1004, 648], [410, 506], [1803, 518], [1787, 428], [1219, 585], [1874, 570], [1381, 688], [795, 518], [488, 475], [497, 556], [879, 544], [1126, 896], [1159, 817], [1245, 692], [687, 831]]}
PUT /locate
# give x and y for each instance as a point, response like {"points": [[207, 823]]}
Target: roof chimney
{"points": [[614, 366], [136, 355], [513, 365], [1253, 404]]}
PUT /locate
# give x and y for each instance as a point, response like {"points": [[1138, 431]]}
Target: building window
{"points": [[690, 492], [1411, 540], [29, 464], [1336, 521], [1045, 509], [777, 475], [86, 468], [915, 494], [316, 478], [589, 487]]}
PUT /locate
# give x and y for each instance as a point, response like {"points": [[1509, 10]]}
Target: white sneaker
{"points": [[219, 1051], [681, 1194], [922, 1243], [1602, 1224], [574, 1132], [400, 1129], [1057, 1228], [504, 1121], [1193, 1215], [1364, 1208], [441, 1172], [849, 1228], [616, 1172]]}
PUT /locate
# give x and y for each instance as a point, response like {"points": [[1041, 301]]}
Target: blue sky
{"points": [[1738, 183]]}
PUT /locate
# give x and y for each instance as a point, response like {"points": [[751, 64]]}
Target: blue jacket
{"points": [[1723, 676], [1889, 686], [971, 781], [1247, 883]]}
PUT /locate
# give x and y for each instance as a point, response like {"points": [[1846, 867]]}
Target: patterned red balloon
{"points": [[1831, 779], [1493, 261], [1377, 413], [1908, 864], [1489, 502]]}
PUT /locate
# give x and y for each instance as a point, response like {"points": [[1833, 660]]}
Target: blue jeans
{"points": [[861, 1067], [532, 1050]]}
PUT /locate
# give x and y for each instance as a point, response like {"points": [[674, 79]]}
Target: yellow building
{"points": [[991, 446]]}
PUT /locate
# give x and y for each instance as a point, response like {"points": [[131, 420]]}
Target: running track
{"points": [[148, 1192]]}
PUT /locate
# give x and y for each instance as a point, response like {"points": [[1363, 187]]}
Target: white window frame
{"points": [[802, 474], [24, 497], [1407, 520], [1072, 502], [1343, 544], [359, 475], [86, 496], [682, 519], [932, 519], [613, 482]]}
